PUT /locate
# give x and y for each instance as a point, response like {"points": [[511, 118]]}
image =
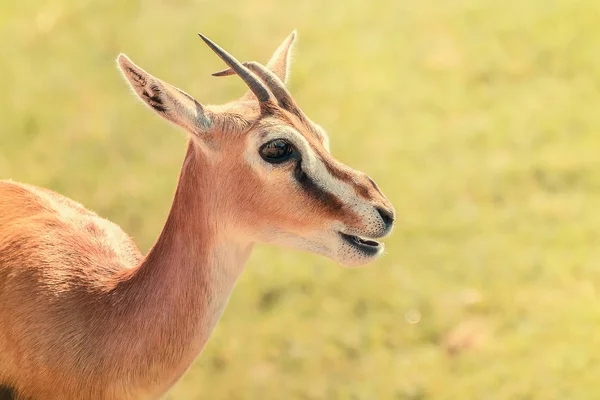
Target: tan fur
{"points": [[84, 315]]}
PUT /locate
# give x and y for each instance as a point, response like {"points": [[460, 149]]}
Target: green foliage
{"points": [[478, 118]]}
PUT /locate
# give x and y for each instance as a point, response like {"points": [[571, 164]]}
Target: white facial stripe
{"points": [[312, 165], [324, 239], [314, 168], [260, 166], [344, 191], [321, 176]]}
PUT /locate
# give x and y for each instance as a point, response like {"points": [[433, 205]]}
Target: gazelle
{"points": [[83, 315]]}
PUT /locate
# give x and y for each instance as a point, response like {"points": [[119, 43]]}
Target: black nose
{"points": [[387, 217]]}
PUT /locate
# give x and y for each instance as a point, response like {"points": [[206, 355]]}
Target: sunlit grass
{"points": [[478, 118]]}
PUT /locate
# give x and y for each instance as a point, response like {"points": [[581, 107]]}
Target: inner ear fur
{"points": [[166, 100]]}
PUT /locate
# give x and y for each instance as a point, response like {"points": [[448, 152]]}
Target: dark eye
{"points": [[276, 151]]}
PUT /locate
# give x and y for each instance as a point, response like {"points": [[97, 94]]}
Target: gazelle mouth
{"points": [[368, 246]]}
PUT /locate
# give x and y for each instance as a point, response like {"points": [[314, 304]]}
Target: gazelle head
{"points": [[273, 176]]}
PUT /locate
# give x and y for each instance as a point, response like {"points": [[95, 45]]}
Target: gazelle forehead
{"points": [[315, 135]]}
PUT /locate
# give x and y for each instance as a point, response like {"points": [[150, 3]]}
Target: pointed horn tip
{"points": [[214, 47], [255, 85], [209, 42], [225, 72]]}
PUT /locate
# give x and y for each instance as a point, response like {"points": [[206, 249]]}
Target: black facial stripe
{"points": [[6, 393], [328, 200]]}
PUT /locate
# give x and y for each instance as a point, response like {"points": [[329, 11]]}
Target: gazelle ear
{"points": [[169, 102], [280, 60]]}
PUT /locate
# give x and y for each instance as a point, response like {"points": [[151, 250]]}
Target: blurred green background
{"points": [[478, 118]]}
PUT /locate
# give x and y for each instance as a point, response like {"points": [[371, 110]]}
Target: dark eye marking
{"points": [[276, 151], [6, 393], [328, 200]]}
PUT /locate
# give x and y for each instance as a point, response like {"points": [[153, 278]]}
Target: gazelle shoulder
{"points": [[55, 228]]}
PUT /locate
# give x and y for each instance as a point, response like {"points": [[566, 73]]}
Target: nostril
{"points": [[386, 216]]}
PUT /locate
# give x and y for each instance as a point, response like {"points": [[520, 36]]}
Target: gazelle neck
{"points": [[180, 289]]}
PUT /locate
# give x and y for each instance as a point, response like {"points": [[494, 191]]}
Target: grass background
{"points": [[478, 118]]}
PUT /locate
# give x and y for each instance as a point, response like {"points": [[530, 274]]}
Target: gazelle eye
{"points": [[276, 151]]}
